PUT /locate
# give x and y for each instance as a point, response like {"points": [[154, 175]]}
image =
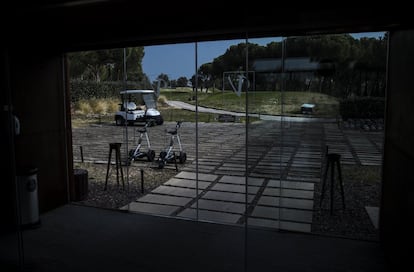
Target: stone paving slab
{"points": [[221, 206], [176, 191], [210, 216], [235, 165], [193, 175], [230, 172], [265, 175], [312, 172], [303, 179], [282, 214], [234, 188], [296, 175], [285, 202], [241, 180], [201, 168], [291, 184], [283, 225], [210, 161], [227, 196], [152, 208], [288, 193], [187, 183], [165, 199], [270, 165]]}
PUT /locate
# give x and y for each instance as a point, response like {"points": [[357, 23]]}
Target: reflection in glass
{"points": [[259, 118]]}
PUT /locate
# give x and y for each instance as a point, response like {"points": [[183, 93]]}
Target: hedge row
{"points": [[81, 89], [362, 107]]}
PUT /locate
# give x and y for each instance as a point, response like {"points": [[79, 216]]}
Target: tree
{"points": [[182, 82], [134, 56], [164, 77], [107, 65]]}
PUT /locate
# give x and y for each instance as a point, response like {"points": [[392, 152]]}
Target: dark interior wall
{"points": [[37, 78], [396, 218], [38, 100], [7, 185]]}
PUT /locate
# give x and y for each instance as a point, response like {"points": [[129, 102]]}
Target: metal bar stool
{"points": [[117, 148], [332, 159]]}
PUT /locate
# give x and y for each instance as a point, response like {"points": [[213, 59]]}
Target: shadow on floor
{"points": [[79, 238]]}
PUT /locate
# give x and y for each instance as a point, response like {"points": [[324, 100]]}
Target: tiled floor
{"points": [[222, 199], [283, 167]]}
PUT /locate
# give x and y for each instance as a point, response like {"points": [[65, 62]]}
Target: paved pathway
{"points": [[187, 106], [283, 167]]}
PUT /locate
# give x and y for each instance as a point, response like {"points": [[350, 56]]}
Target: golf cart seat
{"points": [[130, 106]]}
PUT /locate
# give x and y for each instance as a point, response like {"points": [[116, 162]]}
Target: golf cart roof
{"points": [[136, 91]]}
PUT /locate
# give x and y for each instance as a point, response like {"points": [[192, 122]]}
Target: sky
{"points": [[177, 60]]}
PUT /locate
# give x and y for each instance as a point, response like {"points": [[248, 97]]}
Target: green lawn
{"points": [[169, 114], [258, 101]]}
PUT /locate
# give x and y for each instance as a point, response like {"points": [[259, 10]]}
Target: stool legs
{"points": [[107, 168], [341, 184], [331, 160], [118, 165], [324, 182]]}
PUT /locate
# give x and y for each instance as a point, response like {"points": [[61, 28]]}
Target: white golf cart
{"points": [[146, 112]]}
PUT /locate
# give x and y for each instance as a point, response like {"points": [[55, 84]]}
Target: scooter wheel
{"points": [[183, 157], [163, 154], [151, 155]]}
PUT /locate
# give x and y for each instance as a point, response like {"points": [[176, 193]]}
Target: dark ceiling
{"points": [[79, 25]]}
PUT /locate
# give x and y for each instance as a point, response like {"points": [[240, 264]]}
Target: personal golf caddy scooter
{"points": [[136, 153], [169, 154]]}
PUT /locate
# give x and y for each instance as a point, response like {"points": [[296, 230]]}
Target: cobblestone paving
{"points": [[283, 167]]}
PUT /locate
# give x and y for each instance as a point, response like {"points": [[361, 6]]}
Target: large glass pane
{"points": [[315, 151], [332, 108], [168, 188], [347, 89], [221, 133], [104, 115], [265, 146]]}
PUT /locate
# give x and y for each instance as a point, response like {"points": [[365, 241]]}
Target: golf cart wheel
{"points": [[160, 121], [183, 157], [151, 155], [119, 121]]}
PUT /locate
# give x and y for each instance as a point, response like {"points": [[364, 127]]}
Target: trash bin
{"points": [[80, 178], [28, 197]]}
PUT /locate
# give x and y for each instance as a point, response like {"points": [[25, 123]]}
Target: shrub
{"points": [[112, 105], [82, 89], [83, 107], [162, 99], [99, 106], [362, 107]]}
